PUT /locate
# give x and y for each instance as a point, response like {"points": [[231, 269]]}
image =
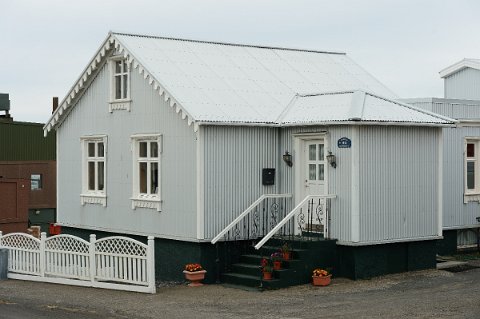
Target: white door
{"points": [[315, 168]]}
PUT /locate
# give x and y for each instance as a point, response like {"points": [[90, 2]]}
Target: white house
{"points": [[461, 153], [176, 138]]}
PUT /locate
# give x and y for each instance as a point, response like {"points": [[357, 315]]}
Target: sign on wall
{"points": [[344, 142]]}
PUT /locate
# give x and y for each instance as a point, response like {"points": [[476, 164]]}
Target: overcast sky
{"points": [[44, 45]]}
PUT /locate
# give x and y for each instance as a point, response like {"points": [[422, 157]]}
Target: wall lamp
{"points": [[332, 159], [287, 158], [478, 219]]}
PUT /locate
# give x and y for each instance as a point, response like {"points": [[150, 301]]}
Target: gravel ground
{"points": [[423, 294]]}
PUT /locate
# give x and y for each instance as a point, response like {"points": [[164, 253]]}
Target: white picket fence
{"points": [[119, 263]]}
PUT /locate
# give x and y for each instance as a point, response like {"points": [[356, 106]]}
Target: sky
{"points": [[45, 45]]}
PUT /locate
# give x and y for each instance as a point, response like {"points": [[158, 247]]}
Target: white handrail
{"points": [[288, 217], [246, 212]]}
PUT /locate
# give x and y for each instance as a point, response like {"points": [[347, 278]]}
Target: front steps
{"points": [[306, 256]]}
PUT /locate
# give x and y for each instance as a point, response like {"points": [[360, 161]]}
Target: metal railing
{"points": [[311, 216], [257, 220]]}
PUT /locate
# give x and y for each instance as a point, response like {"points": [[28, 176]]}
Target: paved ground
{"points": [[424, 294]]}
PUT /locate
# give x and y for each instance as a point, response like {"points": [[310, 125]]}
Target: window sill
{"points": [[471, 197], [116, 105], [147, 202], [100, 199]]}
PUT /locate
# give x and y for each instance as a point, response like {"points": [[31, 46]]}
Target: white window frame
{"points": [[142, 200], [471, 195], [122, 103], [94, 196]]}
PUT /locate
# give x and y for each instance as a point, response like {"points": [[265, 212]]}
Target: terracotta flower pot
{"points": [[267, 275], [287, 255], [277, 264], [195, 277], [322, 281]]}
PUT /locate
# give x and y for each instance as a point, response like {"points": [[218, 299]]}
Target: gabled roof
{"points": [[356, 107], [465, 63], [222, 83]]}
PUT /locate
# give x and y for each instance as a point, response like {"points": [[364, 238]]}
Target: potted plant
{"points": [[277, 260], [321, 277], [286, 251], [267, 269], [195, 273]]}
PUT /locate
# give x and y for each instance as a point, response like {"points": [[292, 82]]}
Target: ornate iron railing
{"points": [[309, 219], [258, 219]]}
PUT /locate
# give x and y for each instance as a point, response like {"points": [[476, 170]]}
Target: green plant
{"points": [[285, 248], [266, 265], [277, 256]]}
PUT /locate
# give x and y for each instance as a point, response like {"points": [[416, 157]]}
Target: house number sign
{"points": [[344, 142]]}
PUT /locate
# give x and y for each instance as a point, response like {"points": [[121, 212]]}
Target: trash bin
{"points": [[3, 263]]}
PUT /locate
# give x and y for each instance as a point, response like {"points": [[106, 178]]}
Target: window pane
{"points": [[312, 149], [118, 87], [153, 149], [91, 149], [470, 175], [154, 178], [143, 178], [125, 79], [312, 172], [101, 150], [321, 172], [470, 150], [142, 149], [100, 175], [124, 66], [91, 176], [118, 66], [321, 152], [36, 181]]}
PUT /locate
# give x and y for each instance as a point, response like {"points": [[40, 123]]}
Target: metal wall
{"points": [[149, 114], [463, 84], [234, 158], [456, 214], [21, 141], [398, 182]]}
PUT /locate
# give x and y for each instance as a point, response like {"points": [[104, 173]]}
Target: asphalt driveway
{"points": [[424, 294]]}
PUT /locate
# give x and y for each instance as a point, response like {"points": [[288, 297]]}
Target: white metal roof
{"points": [[465, 63], [356, 107], [209, 82]]}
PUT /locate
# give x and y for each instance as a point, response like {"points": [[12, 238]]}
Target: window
{"points": [[94, 170], [146, 171], [120, 85], [35, 181], [471, 169]]}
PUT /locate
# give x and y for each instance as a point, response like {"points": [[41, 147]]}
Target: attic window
{"points": [[119, 85]]}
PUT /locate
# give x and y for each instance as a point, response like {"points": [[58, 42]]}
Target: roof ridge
{"points": [[226, 43]]}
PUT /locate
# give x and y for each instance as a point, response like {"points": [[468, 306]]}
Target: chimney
{"points": [[54, 104]]}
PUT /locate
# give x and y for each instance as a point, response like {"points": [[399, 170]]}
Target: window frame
{"points": [[122, 103], [95, 196], [40, 182], [139, 199]]}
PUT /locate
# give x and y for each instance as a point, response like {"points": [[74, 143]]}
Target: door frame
{"points": [[299, 141]]}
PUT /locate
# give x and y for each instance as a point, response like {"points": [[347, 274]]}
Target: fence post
{"points": [[151, 263], [91, 253], [43, 237]]}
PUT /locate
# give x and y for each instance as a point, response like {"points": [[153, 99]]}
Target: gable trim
{"points": [[89, 73]]}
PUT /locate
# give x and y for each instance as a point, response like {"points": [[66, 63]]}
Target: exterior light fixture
{"points": [[332, 159], [287, 158], [478, 219]]}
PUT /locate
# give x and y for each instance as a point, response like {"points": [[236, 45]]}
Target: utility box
{"points": [[268, 176]]}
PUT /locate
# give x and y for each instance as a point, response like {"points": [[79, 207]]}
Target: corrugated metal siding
{"points": [[234, 158], [455, 212], [149, 114], [339, 179], [20, 141], [398, 182], [464, 84]]}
